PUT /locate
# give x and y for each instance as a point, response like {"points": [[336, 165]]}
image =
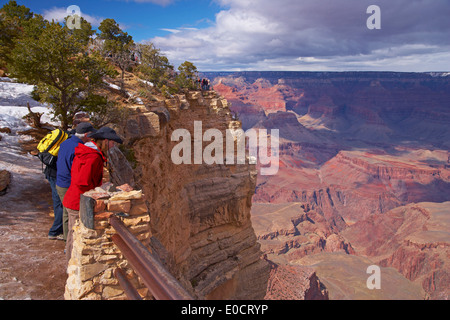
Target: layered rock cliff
{"points": [[378, 107], [199, 214]]}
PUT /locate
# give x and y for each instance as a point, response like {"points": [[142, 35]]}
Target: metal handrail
{"points": [[130, 291], [161, 284]]}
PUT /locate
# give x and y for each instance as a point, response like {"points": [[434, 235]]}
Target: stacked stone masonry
{"points": [[95, 256]]}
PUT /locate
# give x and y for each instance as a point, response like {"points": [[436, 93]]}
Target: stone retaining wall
{"points": [[95, 256]]}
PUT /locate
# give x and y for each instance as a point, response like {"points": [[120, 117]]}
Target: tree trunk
{"points": [[64, 111], [34, 117], [122, 83]]}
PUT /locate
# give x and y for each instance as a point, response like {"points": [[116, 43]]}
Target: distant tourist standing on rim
{"points": [[64, 164], [205, 84], [87, 174]]}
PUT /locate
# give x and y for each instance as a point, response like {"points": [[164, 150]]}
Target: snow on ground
{"points": [[147, 82], [113, 85], [13, 106]]}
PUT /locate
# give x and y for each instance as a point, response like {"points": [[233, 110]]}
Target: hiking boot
{"points": [[58, 237]]}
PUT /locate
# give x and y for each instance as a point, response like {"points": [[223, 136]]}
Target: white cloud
{"points": [[58, 14], [316, 35], [177, 30], [171, 30]]}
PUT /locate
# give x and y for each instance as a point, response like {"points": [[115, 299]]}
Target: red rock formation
{"points": [[294, 231], [353, 146], [294, 283], [353, 185], [414, 239], [260, 93]]}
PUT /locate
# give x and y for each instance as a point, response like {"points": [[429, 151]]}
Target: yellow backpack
{"points": [[48, 147]]}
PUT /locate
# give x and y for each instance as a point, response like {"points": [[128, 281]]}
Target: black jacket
{"points": [[50, 171]]}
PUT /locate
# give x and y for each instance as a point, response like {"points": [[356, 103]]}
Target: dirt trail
{"points": [[32, 267]]}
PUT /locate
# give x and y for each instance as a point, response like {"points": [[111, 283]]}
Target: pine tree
{"points": [[56, 60], [154, 67], [187, 76], [118, 45], [13, 18]]}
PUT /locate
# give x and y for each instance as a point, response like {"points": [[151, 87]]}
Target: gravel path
{"points": [[31, 266]]}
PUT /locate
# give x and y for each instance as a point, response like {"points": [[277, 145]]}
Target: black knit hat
{"points": [[85, 127], [106, 133]]}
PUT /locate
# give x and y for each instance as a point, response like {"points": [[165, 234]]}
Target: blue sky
{"points": [[142, 19], [282, 35]]}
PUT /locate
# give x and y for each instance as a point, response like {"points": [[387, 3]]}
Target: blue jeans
{"points": [[57, 227]]}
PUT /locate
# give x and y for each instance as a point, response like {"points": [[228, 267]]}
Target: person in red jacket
{"points": [[87, 174]]}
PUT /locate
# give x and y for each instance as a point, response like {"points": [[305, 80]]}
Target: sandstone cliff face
{"points": [[200, 214]]}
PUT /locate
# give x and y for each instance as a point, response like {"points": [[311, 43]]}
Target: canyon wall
{"points": [[199, 214], [376, 107]]}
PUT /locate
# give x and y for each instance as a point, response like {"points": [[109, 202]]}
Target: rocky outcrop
{"points": [[346, 278], [353, 185], [200, 214], [294, 283], [292, 230], [260, 93], [390, 168]]}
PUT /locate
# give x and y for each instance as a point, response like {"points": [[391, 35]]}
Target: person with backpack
{"points": [[64, 165], [87, 174], [48, 149]]}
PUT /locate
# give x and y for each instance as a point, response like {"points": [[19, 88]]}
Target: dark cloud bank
{"points": [[317, 35]]}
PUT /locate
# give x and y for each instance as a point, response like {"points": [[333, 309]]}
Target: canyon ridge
{"points": [[364, 179]]}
